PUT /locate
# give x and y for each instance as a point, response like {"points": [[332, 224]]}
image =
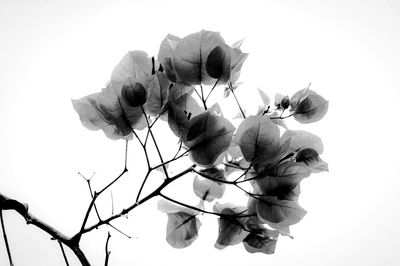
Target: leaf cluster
{"points": [[172, 87]]}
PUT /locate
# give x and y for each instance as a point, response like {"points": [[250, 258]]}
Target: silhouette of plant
{"points": [[261, 157]]}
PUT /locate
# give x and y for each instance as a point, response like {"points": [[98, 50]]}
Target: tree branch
{"points": [[107, 252], [63, 252], [5, 238], [11, 204]]}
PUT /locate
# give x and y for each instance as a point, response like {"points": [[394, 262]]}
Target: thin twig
{"points": [[63, 252], [10, 204], [155, 143], [125, 211], [212, 89], [107, 251], [142, 185], [237, 102], [202, 97], [5, 238]]}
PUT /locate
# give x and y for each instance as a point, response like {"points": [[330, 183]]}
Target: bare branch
{"points": [[107, 251], [5, 238], [63, 252], [11, 204]]}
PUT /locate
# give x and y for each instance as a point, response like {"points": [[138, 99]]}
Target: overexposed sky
{"points": [[55, 51]]}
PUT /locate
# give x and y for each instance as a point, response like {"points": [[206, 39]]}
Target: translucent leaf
{"points": [[218, 64], [165, 55], [181, 107], [135, 65], [283, 181], [263, 241], [311, 108], [215, 109], [300, 139], [158, 90], [258, 138], [106, 110], [191, 54], [182, 229], [237, 44], [297, 98], [237, 60], [177, 120], [231, 228], [265, 102], [278, 213], [208, 136], [311, 159], [208, 188]]}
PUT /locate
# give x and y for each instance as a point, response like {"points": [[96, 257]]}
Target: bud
{"points": [[285, 102], [134, 94]]}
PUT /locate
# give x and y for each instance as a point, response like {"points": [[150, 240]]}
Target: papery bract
{"points": [[106, 110], [190, 56], [231, 226], [158, 90], [308, 106], [182, 225], [135, 65], [258, 138], [208, 136], [208, 188]]}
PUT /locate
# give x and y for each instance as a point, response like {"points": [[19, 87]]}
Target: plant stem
{"points": [[107, 252], [63, 252], [5, 238], [237, 102]]}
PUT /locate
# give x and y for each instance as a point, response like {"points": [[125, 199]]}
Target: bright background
{"points": [[52, 51]]}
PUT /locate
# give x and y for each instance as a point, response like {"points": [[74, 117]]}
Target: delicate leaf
{"points": [[278, 213], [300, 140], [258, 138], [182, 229], [209, 188], [263, 242], [158, 90], [237, 60], [208, 136], [177, 120], [312, 160], [166, 53], [215, 109], [231, 228], [265, 102], [297, 98], [191, 54], [218, 64], [135, 65], [106, 110], [284, 181], [311, 109], [181, 107], [238, 43]]}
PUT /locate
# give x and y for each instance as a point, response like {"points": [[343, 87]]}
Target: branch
{"points": [[125, 211], [11, 204], [107, 252], [5, 238], [237, 102], [63, 252]]}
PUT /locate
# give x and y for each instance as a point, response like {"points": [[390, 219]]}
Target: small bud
{"points": [[285, 102], [134, 94]]}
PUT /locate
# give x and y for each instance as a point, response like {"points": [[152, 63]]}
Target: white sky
{"points": [[52, 51]]}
